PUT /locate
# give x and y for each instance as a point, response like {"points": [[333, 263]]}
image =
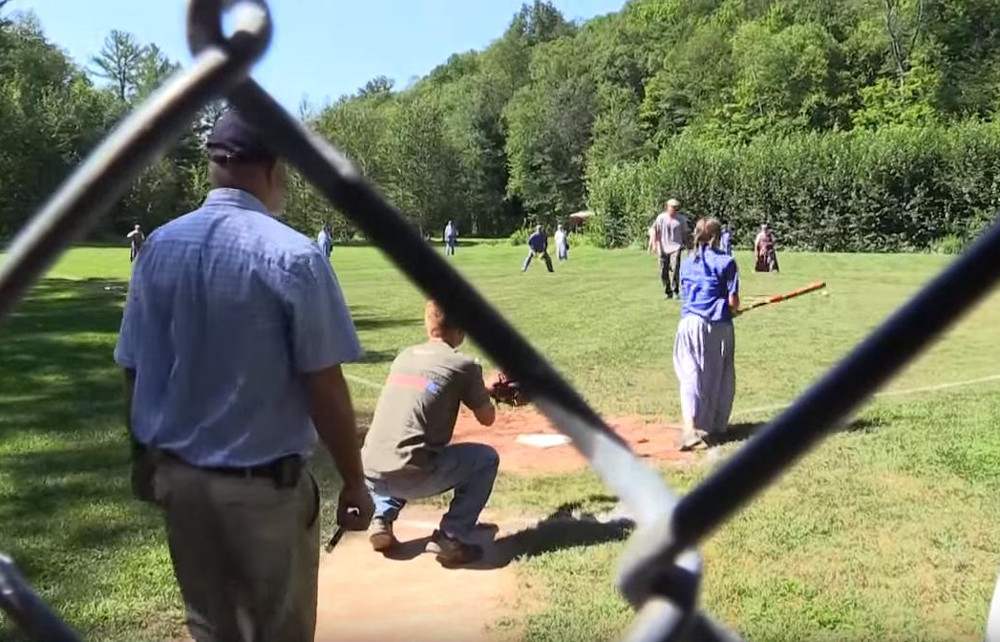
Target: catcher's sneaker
{"points": [[453, 551], [380, 535]]}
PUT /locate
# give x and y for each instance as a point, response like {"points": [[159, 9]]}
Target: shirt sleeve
{"points": [[476, 396], [322, 332], [131, 322], [731, 277]]}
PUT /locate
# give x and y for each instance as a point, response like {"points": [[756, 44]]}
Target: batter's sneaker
{"points": [[380, 535], [696, 440], [451, 551]]}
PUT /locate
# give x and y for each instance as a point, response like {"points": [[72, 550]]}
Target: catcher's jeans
{"points": [[469, 469]]}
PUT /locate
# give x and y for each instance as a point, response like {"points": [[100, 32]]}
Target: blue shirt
{"points": [[538, 242], [226, 307], [708, 277]]}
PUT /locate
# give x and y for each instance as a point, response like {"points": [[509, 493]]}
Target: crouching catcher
{"points": [[407, 454]]}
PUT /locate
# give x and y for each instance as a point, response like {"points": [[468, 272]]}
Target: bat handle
{"points": [[338, 532]]}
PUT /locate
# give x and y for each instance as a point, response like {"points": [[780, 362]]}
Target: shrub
{"points": [[894, 189], [951, 244], [519, 237]]}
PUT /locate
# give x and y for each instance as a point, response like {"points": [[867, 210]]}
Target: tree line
{"points": [[846, 124], [53, 112]]}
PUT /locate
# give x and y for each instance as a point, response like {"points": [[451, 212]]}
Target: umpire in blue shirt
{"points": [[232, 339]]}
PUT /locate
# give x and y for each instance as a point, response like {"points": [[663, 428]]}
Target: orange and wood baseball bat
{"points": [[777, 298]]}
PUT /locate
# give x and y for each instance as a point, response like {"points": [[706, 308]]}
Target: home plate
{"points": [[543, 440]]}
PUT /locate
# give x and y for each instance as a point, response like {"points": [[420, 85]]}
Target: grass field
{"points": [[888, 532]]}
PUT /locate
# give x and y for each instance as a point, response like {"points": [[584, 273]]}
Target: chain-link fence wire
{"points": [[660, 572]]}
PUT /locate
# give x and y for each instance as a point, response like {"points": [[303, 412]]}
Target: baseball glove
{"points": [[505, 390]]}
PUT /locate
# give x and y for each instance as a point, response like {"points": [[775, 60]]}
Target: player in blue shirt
{"points": [[538, 245], [703, 347]]}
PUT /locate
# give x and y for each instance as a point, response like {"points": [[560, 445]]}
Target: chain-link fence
{"points": [[661, 569]]}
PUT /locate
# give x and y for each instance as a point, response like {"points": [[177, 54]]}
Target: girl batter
{"points": [[703, 347]]}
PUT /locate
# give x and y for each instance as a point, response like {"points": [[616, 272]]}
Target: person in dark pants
{"points": [[136, 239], [450, 238], [232, 343], [538, 245], [671, 237], [726, 238], [325, 240]]}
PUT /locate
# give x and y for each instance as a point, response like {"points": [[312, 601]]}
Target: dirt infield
{"points": [[408, 596], [654, 441]]}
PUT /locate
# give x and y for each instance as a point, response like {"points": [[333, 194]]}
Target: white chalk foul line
{"points": [[781, 406], [887, 393]]}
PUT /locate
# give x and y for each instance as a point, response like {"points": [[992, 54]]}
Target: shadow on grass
{"points": [[378, 356], [746, 430], [567, 527], [366, 321], [65, 505], [57, 371]]}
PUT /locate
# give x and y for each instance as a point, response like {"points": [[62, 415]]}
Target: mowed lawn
{"points": [[887, 532]]}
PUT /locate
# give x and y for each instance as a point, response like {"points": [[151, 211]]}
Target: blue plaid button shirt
{"points": [[226, 307]]}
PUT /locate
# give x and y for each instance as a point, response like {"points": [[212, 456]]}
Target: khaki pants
{"points": [[245, 553]]}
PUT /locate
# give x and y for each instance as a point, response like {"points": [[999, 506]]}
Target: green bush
{"points": [[519, 237], [580, 239], [894, 189], [950, 244]]}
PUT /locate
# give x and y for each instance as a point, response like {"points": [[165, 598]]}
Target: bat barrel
{"points": [[777, 298]]}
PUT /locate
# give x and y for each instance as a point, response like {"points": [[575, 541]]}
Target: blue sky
{"points": [[321, 48]]}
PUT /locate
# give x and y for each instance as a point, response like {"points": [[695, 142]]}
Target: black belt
{"points": [[264, 470], [284, 472]]}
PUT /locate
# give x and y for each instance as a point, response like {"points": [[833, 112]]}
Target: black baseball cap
{"points": [[234, 139]]}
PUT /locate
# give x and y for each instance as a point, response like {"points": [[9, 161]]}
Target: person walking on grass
{"points": [[705, 342], [538, 245], [450, 238], [765, 251], [726, 238], [672, 236], [562, 244], [407, 454], [136, 239], [232, 346], [325, 241]]}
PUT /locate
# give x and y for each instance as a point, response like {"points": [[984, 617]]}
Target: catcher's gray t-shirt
{"points": [[416, 412]]}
